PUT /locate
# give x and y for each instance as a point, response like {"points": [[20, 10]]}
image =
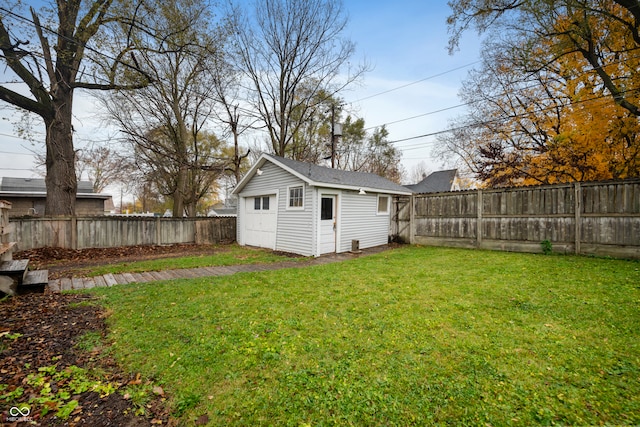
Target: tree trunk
{"points": [[178, 195], [236, 152], [61, 178], [192, 209]]}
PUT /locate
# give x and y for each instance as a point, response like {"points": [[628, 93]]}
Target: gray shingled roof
{"points": [[36, 185], [337, 177], [436, 182]]}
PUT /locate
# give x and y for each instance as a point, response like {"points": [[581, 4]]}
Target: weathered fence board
{"points": [[400, 229], [214, 230], [590, 218], [104, 232]]}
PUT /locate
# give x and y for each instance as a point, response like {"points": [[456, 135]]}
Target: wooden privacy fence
{"points": [[106, 231], [601, 218]]}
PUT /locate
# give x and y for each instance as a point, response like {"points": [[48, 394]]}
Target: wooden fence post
{"points": [[158, 233], [74, 233], [577, 218], [412, 219], [479, 228]]}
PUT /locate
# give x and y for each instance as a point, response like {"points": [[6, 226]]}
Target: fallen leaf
{"points": [[202, 420], [136, 381], [158, 390]]}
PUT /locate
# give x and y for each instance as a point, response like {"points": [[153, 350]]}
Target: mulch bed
{"points": [[91, 256], [63, 262], [50, 325]]}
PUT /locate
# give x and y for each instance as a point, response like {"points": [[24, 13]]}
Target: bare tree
{"points": [[158, 171], [103, 166], [226, 86], [418, 172], [100, 164], [285, 45], [60, 61], [167, 120]]}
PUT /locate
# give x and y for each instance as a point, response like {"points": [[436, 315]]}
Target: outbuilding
{"points": [[29, 195], [303, 208]]}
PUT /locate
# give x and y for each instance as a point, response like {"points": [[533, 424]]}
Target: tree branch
{"points": [[42, 104]]}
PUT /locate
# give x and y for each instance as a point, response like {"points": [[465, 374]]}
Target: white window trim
{"points": [[295, 208], [387, 212]]}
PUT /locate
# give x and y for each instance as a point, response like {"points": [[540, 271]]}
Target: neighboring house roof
{"points": [[225, 211], [437, 182], [326, 177], [30, 187]]}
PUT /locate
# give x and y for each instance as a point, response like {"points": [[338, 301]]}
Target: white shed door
{"points": [[260, 221], [328, 224]]}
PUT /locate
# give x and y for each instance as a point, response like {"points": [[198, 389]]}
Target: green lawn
{"points": [[413, 336], [226, 255]]}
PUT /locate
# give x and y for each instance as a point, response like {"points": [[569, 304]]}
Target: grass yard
{"points": [[413, 336]]}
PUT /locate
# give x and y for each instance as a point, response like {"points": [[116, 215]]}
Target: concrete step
{"points": [[13, 266], [34, 282], [8, 286], [16, 269]]}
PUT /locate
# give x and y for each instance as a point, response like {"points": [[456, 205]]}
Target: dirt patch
{"points": [[42, 330], [64, 262]]}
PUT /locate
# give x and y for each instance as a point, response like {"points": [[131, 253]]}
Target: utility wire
{"points": [[16, 169], [70, 39], [17, 154], [420, 115], [415, 82], [487, 122], [365, 98], [495, 97]]}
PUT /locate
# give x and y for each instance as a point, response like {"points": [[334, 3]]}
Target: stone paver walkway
{"points": [[66, 284]]}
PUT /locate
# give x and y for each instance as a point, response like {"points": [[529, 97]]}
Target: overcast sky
{"points": [[405, 42]]}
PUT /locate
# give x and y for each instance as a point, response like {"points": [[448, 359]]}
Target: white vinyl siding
{"points": [[294, 227], [360, 221]]}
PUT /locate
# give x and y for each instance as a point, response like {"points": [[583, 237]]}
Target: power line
{"points": [[358, 100], [16, 169], [17, 137], [17, 154], [415, 82], [86, 46], [465, 104], [70, 39], [420, 115], [487, 122]]}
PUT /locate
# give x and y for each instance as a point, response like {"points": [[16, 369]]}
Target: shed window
{"points": [[296, 197], [383, 205], [261, 203], [326, 208]]}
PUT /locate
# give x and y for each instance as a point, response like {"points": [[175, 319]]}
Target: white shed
{"points": [[312, 210]]}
